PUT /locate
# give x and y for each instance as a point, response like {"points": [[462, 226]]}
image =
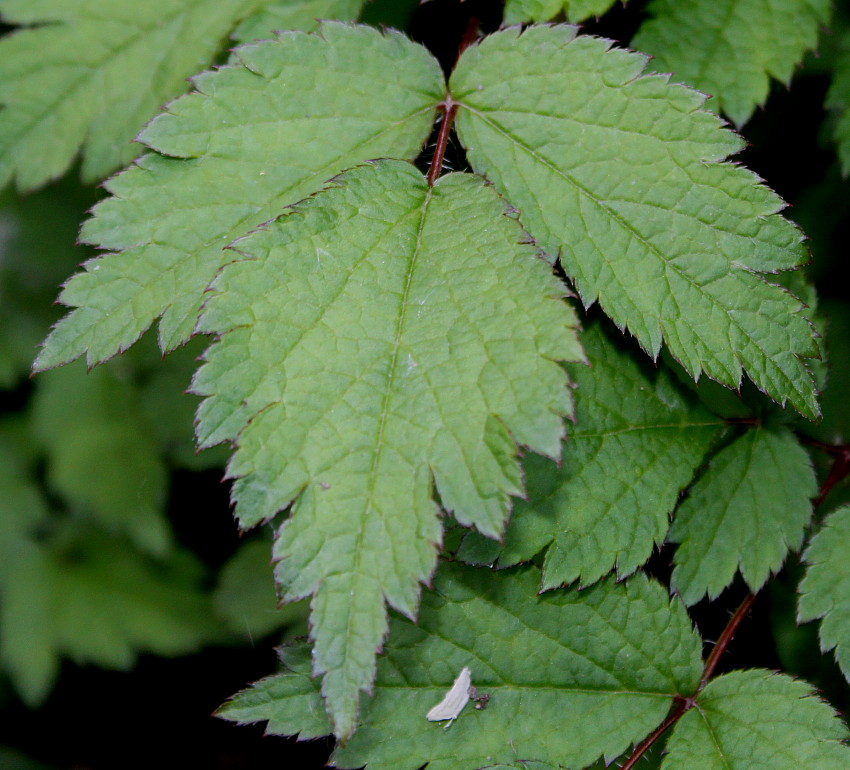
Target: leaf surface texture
{"points": [[258, 136], [295, 14], [62, 75], [825, 590], [732, 48], [635, 445], [604, 661], [745, 512], [621, 175], [750, 720], [522, 11], [382, 334]]}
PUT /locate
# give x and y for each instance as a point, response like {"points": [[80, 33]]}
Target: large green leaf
{"points": [[382, 334], [63, 77], [572, 676], [520, 11], [751, 720], [825, 591], [295, 14], [731, 48], [635, 445], [259, 135], [749, 508], [621, 176]]}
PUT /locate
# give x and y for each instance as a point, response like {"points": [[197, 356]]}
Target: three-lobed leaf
{"points": [[259, 134], [731, 48], [749, 508], [825, 590], [381, 334], [572, 676], [750, 720], [636, 443], [621, 176]]}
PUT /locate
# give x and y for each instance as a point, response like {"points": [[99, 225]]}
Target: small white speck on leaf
{"points": [[456, 698]]}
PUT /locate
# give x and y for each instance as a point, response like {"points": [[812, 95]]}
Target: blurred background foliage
{"points": [[123, 579]]}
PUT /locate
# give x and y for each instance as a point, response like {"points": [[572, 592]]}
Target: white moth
{"points": [[456, 698]]}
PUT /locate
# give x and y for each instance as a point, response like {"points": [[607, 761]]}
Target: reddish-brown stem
{"points": [[723, 641], [449, 108], [449, 111], [682, 705], [838, 471]]}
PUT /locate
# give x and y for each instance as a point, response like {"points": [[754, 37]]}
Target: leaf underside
{"points": [[825, 590], [745, 513], [382, 334], [750, 720], [522, 11], [605, 661], [635, 445], [621, 175], [731, 48], [256, 137]]}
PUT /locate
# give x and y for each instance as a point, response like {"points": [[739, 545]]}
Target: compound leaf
{"points": [[750, 720], [62, 75], [731, 48], [295, 14], [521, 11], [825, 590], [259, 135], [620, 175], [382, 334], [745, 512], [606, 661], [635, 445]]}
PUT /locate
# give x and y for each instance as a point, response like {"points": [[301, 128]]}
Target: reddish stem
{"points": [[838, 471], [682, 705], [449, 108]]}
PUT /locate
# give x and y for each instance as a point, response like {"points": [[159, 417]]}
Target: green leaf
{"points": [[635, 445], [838, 99], [101, 456], [597, 672], [63, 74], [825, 590], [382, 334], [245, 595], [258, 136], [295, 14], [745, 512], [91, 597], [750, 720], [731, 48], [521, 11], [37, 235], [620, 175]]}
